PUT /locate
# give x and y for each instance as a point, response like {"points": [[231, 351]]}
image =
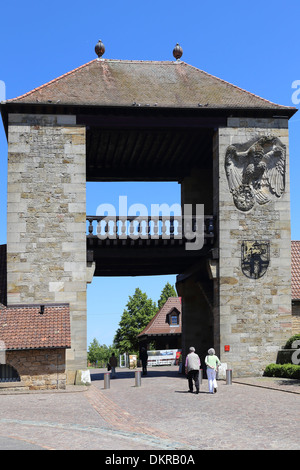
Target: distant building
{"points": [[295, 287], [164, 330]]}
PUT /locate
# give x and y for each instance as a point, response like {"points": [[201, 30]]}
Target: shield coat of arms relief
{"points": [[255, 258]]}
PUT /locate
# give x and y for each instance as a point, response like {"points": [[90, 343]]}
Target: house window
{"points": [[174, 320]]}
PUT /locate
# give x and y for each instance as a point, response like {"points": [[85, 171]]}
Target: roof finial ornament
{"points": [[177, 52], [99, 49]]}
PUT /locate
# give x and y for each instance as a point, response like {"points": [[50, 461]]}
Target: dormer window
{"points": [[173, 317]]}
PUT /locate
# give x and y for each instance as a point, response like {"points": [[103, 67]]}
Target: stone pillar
{"points": [[46, 219], [252, 204], [197, 316], [195, 287]]}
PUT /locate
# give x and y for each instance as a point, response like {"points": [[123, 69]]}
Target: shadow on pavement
{"points": [[98, 374], [9, 443], [289, 382]]}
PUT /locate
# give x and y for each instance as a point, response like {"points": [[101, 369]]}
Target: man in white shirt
{"points": [[192, 366]]}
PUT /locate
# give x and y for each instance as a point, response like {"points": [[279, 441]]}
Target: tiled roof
{"points": [[295, 257], [24, 327], [108, 82], [159, 324], [3, 277]]}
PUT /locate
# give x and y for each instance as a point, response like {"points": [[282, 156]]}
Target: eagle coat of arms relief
{"points": [[256, 171]]}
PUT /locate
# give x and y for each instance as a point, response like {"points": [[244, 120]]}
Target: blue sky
{"points": [[253, 44]]}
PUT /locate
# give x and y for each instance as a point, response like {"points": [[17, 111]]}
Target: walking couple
{"points": [[192, 366]]}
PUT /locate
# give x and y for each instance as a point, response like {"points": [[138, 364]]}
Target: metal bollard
{"points": [[228, 377], [200, 376], [137, 378], [106, 379]]}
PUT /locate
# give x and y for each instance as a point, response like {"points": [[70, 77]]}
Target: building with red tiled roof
{"points": [[25, 327], [32, 339], [33, 343], [295, 257], [164, 330]]}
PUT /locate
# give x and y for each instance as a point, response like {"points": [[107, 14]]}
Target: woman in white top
{"points": [[212, 363]]}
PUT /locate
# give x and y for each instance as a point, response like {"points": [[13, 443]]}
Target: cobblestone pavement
{"points": [[252, 413]]}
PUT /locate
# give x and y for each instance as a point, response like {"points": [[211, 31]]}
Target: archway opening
{"points": [[107, 296]]}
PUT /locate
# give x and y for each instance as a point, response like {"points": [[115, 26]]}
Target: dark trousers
{"points": [[193, 375]]}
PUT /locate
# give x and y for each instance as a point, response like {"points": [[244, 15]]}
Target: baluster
{"points": [[148, 226], [144, 233], [172, 228], [138, 227], [131, 228], [122, 228], [164, 227], [194, 225], [99, 228], [114, 229], [106, 228], [91, 228], [188, 227], [155, 221], [210, 228], [178, 220], [142, 227], [102, 228]]}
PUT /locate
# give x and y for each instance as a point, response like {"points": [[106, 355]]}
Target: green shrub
{"points": [[289, 343], [288, 371]]}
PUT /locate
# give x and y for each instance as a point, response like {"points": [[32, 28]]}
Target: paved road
{"points": [[160, 415]]}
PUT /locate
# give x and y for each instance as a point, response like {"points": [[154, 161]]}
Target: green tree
{"points": [[168, 291], [139, 311], [93, 351]]}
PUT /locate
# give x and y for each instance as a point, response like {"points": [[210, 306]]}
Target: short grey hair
{"points": [[211, 351], [192, 349]]}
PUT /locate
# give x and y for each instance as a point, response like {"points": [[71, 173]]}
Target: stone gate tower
{"points": [[121, 120]]}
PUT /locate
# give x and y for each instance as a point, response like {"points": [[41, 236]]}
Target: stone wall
{"points": [[296, 317], [254, 314], [197, 319], [39, 369], [46, 219]]}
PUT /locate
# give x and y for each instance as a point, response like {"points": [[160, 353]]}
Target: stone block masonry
{"points": [[39, 369], [46, 219]]}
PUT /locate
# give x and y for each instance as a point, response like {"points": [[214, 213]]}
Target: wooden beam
{"points": [[138, 122]]}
